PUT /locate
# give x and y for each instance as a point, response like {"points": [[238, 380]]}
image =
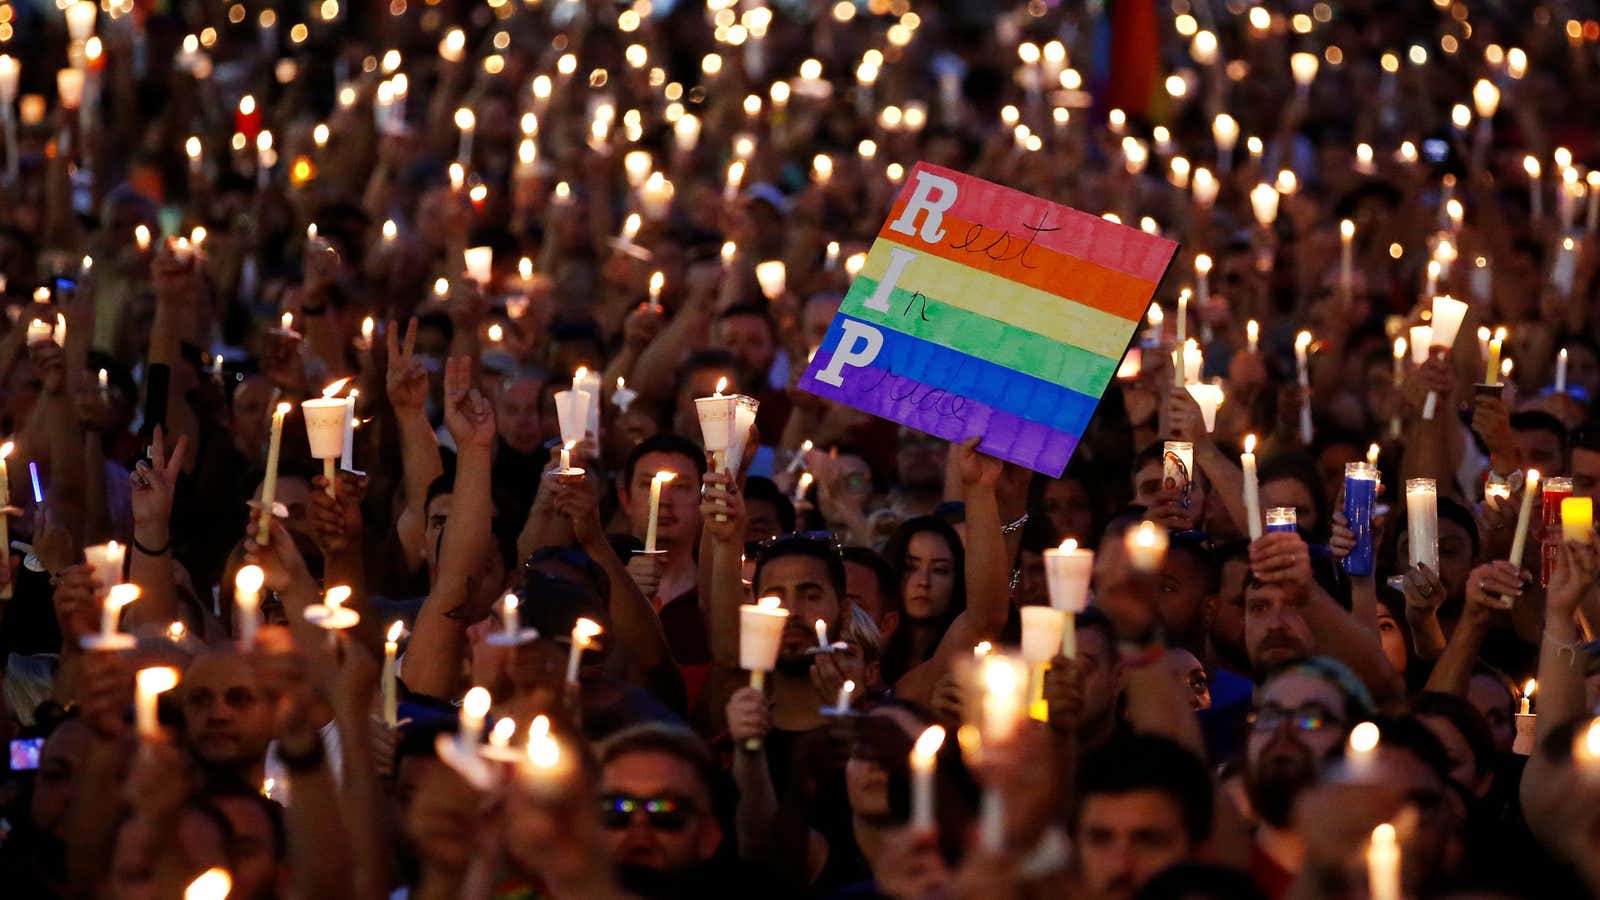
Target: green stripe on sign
{"points": [[983, 337]]}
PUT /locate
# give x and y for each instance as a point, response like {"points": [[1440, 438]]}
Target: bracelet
{"points": [[1014, 527], [153, 551], [300, 763]]}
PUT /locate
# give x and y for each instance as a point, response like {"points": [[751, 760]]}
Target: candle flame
{"points": [[395, 630], [1530, 687], [1533, 478], [1384, 835], [769, 603], [1399, 348], [1364, 737], [121, 595], [849, 686], [1347, 229], [1302, 340], [982, 649], [286, 321], [476, 702], [1145, 535], [1249, 443], [1591, 738], [928, 744], [999, 676], [584, 631], [6, 448], [1372, 455], [664, 477], [581, 373], [1068, 545], [336, 596], [249, 579], [175, 631], [332, 390], [212, 884], [157, 679], [500, 735], [509, 602], [1202, 264], [722, 385], [543, 750]]}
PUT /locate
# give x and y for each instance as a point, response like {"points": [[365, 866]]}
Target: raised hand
{"points": [[1184, 421], [467, 413], [1424, 590], [977, 469], [721, 497], [406, 380], [645, 570], [336, 521], [280, 559], [749, 716], [641, 327], [153, 484], [1281, 557], [76, 606], [1492, 586], [1342, 540], [50, 361], [1577, 566], [579, 504]]}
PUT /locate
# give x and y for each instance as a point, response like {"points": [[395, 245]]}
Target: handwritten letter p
{"points": [[923, 200], [859, 344]]}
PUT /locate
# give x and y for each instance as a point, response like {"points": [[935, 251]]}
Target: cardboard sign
{"points": [[982, 310]]}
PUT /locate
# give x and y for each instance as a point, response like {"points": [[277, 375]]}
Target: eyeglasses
{"points": [[664, 813], [1306, 717]]}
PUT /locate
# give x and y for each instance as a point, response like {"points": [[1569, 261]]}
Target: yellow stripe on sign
{"points": [[976, 291]]}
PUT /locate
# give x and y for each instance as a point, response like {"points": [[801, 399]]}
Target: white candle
{"points": [[761, 627], [1252, 336], [1347, 233], [347, 455], [1147, 546], [1383, 864], [5, 528], [1561, 371], [1422, 520], [1252, 491], [151, 683], [391, 688], [247, 584], [924, 756], [510, 623], [842, 705], [1530, 165], [1302, 345], [214, 883], [1180, 371], [325, 429], [1361, 751], [474, 711], [480, 264], [269, 487], [1399, 381], [466, 122], [660, 479], [584, 631], [1523, 516], [107, 560], [822, 636], [1067, 571], [1043, 633], [111, 610]]}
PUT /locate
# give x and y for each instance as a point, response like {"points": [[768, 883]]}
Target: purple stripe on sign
{"points": [[935, 411]]}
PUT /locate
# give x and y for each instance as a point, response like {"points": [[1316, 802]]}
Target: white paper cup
{"points": [[760, 633], [324, 426]]}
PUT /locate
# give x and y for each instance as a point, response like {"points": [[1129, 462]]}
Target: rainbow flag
{"points": [[982, 310]]}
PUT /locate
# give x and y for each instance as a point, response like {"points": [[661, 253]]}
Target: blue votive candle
{"points": [[1360, 493]]}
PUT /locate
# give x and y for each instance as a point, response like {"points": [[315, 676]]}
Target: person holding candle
{"points": [[669, 577]]}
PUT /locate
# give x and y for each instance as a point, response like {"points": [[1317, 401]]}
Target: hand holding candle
{"points": [[661, 478], [1523, 515], [149, 685], [584, 631]]}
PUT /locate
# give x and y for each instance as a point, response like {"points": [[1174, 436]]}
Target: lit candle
{"points": [[1347, 233], [1577, 519], [106, 560], [247, 584], [1528, 689], [1361, 750], [1147, 546], [1448, 313], [658, 280], [584, 631], [467, 123], [1177, 467], [822, 636], [480, 264], [801, 486], [1553, 491], [325, 429], [924, 756], [1067, 570], [151, 682], [1530, 165], [566, 457], [1181, 326], [1422, 516], [1043, 633], [1252, 490], [1399, 381], [660, 479], [269, 487], [1383, 864], [1208, 397], [111, 610], [348, 448], [1360, 493], [1282, 518], [761, 627], [212, 884], [1566, 267], [1561, 371], [391, 677], [1252, 336], [1302, 345], [772, 276], [842, 705], [1523, 515], [510, 623], [474, 712], [5, 527], [1491, 369]]}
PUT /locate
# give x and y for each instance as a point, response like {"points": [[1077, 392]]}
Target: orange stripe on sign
{"points": [[1012, 257], [1075, 233]]}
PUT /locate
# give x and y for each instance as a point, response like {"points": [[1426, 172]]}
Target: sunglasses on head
{"points": [[662, 812]]}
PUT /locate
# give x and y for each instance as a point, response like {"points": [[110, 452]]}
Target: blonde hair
{"points": [[863, 632]]}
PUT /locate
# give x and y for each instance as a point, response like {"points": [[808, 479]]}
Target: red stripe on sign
{"points": [[1000, 209]]}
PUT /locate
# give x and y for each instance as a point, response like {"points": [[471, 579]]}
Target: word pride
{"points": [[982, 310]]}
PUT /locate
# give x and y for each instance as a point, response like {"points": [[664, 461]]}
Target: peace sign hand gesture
{"points": [[155, 482], [406, 379], [467, 413]]}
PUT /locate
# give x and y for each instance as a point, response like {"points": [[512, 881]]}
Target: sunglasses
{"points": [[664, 813], [1308, 717]]}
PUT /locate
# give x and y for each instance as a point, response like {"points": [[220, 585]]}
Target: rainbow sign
{"points": [[982, 310]]}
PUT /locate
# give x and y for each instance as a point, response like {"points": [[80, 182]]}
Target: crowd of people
{"points": [[512, 645]]}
